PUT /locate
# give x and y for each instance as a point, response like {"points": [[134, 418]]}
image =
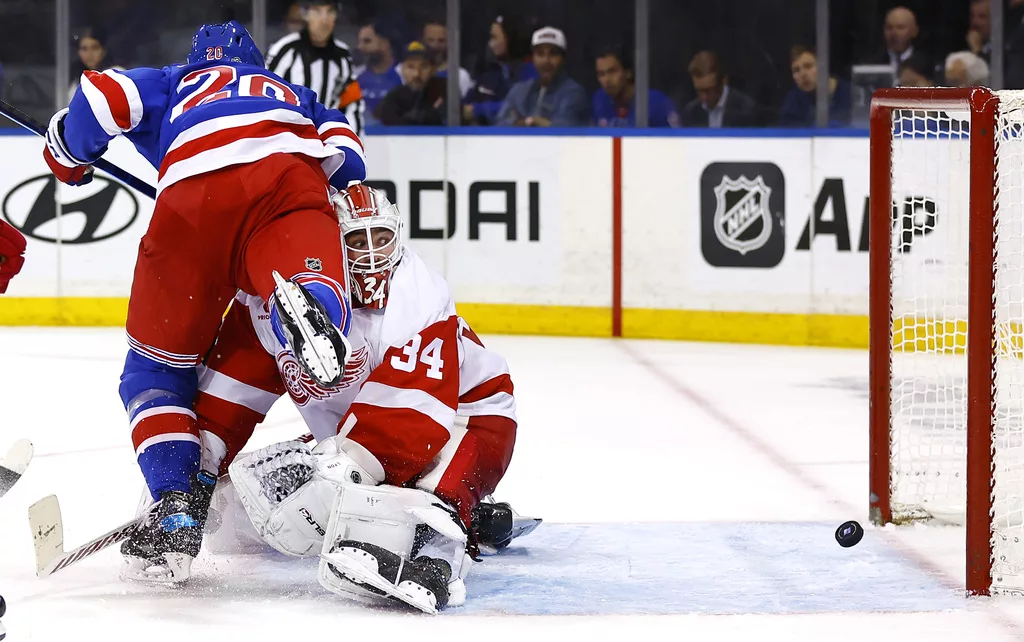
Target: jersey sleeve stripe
{"points": [[384, 396], [217, 384], [499, 405], [346, 143], [500, 384], [339, 131], [105, 105], [131, 93], [114, 100]]}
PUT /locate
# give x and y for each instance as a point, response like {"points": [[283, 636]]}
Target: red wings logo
{"points": [[301, 386]]}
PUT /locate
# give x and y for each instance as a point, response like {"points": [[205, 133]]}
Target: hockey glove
{"points": [[12, 250], [64, 166]]}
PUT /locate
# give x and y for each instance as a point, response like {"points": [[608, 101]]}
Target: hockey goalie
{"points": [[418, 432]]}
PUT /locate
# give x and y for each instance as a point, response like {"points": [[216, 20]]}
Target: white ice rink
{"points": [[689, 491]]}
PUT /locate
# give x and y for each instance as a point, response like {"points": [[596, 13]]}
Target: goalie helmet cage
{"points": [[946, 318]]}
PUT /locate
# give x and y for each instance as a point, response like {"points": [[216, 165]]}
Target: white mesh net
{"points": [[929, 279]]}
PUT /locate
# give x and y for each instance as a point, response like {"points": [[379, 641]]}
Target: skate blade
{"points": [[317, 353], [175, 571], [359, 574]]}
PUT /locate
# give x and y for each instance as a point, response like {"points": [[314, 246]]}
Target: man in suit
{"points": [[717, 104], [900, 31]]}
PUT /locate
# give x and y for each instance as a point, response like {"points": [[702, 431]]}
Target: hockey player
{"points": [[424, 409], [12, 254], [245, 161]]}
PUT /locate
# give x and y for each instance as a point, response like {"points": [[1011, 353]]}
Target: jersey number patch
{"points": [[412, 357], [213, 85]]}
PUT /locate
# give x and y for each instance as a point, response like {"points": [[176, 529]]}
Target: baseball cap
{"points": [[548, 36], [416, 49]]}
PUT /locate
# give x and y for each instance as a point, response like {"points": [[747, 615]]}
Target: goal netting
{"points": [[954, 334]]}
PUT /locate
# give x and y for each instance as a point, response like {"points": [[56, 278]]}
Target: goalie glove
{"points": [[61, 162], [287, 489]]}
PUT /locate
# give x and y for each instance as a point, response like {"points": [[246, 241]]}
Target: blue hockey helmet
{"points": [[227, 41]]}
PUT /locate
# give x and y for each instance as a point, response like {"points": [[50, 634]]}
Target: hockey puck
{"points": [[3, 606], [849, 534]]}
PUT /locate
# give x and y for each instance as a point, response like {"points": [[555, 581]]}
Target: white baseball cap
{"points": [[548, 36]]}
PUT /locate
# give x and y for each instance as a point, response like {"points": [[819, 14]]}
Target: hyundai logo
{"points": [[104, 209]]}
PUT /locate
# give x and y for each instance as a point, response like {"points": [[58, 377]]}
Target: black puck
{"points": [[849, 534], [3, 606]]}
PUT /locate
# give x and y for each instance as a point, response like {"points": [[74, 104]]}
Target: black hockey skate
{"points": [[421, 583], [162, 550], [320, 348], [495, 525]]}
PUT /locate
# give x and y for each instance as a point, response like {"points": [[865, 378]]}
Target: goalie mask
{"points": [[371, 231]]}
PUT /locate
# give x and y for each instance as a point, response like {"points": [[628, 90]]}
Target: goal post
{"points": [[945, 320]]}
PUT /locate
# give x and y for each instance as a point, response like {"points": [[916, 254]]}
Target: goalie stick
{"points": [[14, 464], [48, 537]]}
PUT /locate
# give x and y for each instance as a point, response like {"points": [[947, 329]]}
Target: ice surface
{"points": [[689, 492]]}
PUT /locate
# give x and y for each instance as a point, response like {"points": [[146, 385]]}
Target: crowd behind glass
{"points": [[555, 63]]}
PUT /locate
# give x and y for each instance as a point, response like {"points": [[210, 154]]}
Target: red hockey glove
{"points": [[12, 250], [64, 166]]}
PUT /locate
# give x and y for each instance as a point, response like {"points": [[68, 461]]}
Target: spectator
{"points": [[293, 22], [420, 101], [435, 37], [798, 108], [917, 71], [551, 99], [615, 102], [92, 56], [980, 33], [900, 30], [717, 104], [965, 69], [507, 62], [380, 75], [315, 59]]}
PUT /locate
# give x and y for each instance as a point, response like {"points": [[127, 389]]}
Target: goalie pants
{"points": [[212, 235]]}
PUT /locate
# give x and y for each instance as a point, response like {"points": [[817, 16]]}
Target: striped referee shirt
{"points": [[326, 70]]}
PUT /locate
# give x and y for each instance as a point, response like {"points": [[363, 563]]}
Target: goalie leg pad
{"points": [[376, 532]]}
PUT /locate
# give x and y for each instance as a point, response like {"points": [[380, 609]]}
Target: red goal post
{"points": [[935, 362]]}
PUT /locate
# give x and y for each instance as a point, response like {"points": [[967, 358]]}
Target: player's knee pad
{"points": [[288, 490]]}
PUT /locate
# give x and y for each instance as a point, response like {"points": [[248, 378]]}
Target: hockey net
{"points": [[947, 320]]}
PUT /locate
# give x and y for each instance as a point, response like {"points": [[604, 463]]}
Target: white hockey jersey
{"points": [[420, 390]]}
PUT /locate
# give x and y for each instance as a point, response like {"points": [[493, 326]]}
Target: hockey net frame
{"points": [[983, 107]]}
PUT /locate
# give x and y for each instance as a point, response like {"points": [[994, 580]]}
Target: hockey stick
{"points": [[48, 537], [14, 464], [34, 126]]}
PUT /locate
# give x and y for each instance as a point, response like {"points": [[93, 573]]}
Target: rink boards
{"points": [[684, 237]]}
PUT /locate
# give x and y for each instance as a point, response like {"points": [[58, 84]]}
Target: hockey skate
{"points": [[495, 525], [161, 551], [421, 583], [319, 347]]}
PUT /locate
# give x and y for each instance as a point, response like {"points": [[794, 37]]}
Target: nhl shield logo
{"points": [[742, 220], [743, 215], [316, 265]]}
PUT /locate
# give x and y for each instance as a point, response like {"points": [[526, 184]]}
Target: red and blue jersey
{"points": [[193, 119]]}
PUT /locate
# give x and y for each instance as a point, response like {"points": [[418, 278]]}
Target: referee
{"points": [[315, 59]]}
